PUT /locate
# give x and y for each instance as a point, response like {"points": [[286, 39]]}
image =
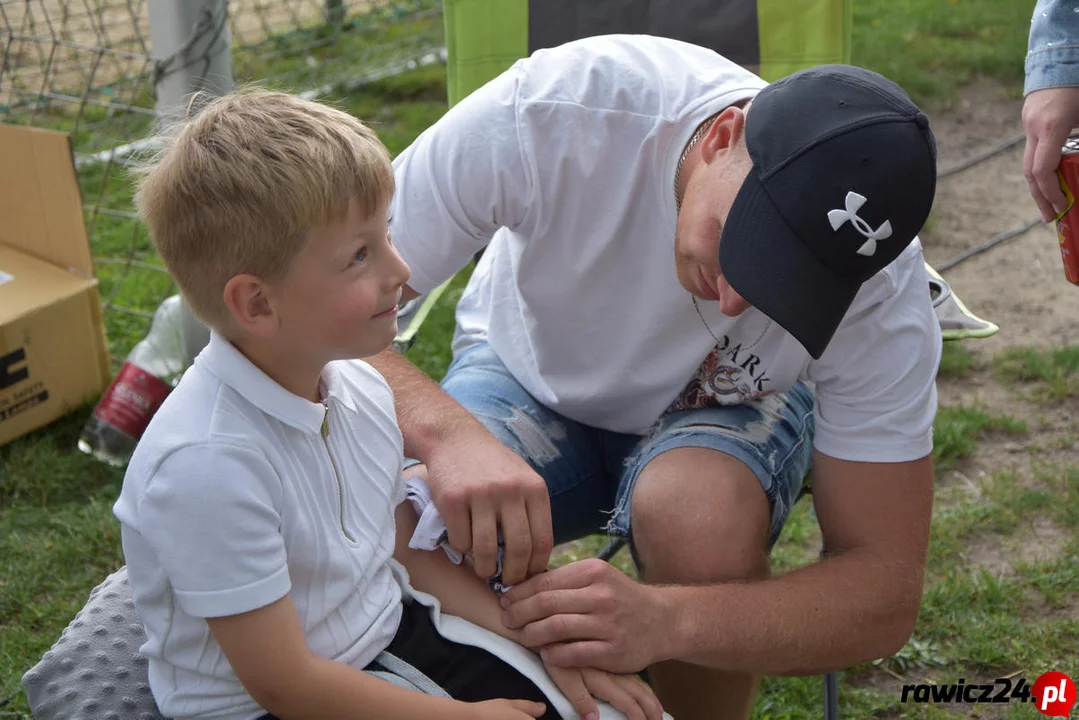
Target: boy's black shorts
{"points": [[466, 673]]}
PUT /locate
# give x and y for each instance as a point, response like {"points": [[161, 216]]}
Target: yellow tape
{"points": [[1067, 194]]}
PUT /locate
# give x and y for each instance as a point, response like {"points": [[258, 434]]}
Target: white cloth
{"points": [[234, 498], [431, 532], [565, 165]]}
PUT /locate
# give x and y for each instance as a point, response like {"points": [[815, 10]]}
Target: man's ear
{"points": [[248, 299], [726, 132]]}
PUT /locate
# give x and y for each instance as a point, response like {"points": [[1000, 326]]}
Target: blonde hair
{"points": [[236, 188]]}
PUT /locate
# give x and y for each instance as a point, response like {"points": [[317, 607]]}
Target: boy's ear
{"points": [[248, 301]]}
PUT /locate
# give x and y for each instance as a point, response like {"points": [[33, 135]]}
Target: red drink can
{"points": [[1068, 221]]}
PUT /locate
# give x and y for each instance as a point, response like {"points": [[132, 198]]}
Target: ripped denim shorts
{"points": [[591, 472]]}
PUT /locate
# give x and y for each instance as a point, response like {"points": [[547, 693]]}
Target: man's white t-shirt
{"points": [[236, 497], [564, 168]]}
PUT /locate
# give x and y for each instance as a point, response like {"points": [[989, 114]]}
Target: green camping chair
{"points": [[485, 37]]}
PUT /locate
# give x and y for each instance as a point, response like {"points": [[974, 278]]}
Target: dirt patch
{"points": [[1041, 540], [1019, 284], [1037, 607]]}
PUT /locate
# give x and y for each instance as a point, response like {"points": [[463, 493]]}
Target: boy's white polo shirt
{"points": [[235, 497]]}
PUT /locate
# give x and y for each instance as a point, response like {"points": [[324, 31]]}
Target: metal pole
{"points": [[192, 53], [335, 12], [191, 49]]}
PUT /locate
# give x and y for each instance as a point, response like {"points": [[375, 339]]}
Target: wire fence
{"points": [[104, 70]]}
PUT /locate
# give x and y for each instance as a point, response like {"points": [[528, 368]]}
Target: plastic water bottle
{"points": [[147, 376]]}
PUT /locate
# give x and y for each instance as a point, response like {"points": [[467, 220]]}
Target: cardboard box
{"points": [[53, 352]]}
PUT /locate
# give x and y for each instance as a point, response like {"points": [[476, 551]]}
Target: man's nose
{"points": [[730, 302], [734, 304]]}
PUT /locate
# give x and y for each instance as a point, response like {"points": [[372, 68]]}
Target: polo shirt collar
{"points": [[222, 359]]}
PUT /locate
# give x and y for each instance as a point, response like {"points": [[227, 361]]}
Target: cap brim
{"points": [[765, 262]]}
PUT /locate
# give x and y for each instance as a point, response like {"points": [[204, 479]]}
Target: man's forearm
{"points": [[831, 615], [425, 413]]}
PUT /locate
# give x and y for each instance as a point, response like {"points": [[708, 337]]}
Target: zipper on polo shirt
{"points": [[336, 475]]}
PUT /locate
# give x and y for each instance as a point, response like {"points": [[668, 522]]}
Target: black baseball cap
{"points": [[843, 178]]}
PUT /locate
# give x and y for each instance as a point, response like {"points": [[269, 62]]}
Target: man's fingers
{"points": [[1046, 160], [586, 653], [547, 604], [1045, 208], [538, 507], [575, 575], [517, 538], [456, 513], [561, 628], [484, 535]]}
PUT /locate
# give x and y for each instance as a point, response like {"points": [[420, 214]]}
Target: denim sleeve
{"points": [[1053, 51]]}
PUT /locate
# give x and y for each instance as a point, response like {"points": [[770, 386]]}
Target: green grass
{"points": [[1048, 375], [957, 429], [58, 537], [977, 622], [955, 361], [931, 47], [330, 53]]}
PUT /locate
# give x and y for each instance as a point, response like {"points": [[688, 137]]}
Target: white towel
{"points": [[431, 532]]}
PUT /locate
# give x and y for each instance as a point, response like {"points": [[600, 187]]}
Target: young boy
{"points": [[262, 514]]}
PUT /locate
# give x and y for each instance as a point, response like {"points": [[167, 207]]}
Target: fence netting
{"points": [[88, 67]]}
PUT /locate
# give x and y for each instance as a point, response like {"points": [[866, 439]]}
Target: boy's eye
{"points": [[360, 255]]}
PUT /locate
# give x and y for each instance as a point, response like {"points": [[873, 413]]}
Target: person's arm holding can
{"points": [[1051, 108]]}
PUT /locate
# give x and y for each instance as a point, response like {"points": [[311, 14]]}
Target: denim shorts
{"points": [[591, 472]]}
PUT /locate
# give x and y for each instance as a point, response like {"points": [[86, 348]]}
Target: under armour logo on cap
{"points": [[853, 203], [830, 136]]}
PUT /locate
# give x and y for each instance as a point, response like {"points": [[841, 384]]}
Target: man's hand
{"points": [[590, 614], [1048, 116], [481, 487], [627, 693]]}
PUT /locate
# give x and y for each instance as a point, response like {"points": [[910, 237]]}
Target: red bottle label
{"points": [[131, 400]]}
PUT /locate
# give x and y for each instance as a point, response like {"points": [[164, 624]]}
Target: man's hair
{"points": [[236, 187]]}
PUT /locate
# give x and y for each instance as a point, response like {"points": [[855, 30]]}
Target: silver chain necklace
{"points": [[709, 329], [701, 130]]}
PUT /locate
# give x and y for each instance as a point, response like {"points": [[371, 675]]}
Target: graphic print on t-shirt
{"points": [[728, 376]]}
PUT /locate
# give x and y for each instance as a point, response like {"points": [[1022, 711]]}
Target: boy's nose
{"points": [[401, 271]]}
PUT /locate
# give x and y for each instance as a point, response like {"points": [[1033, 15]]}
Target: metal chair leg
{"points": [[611, 549], [831, 680], [831, 696]]}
